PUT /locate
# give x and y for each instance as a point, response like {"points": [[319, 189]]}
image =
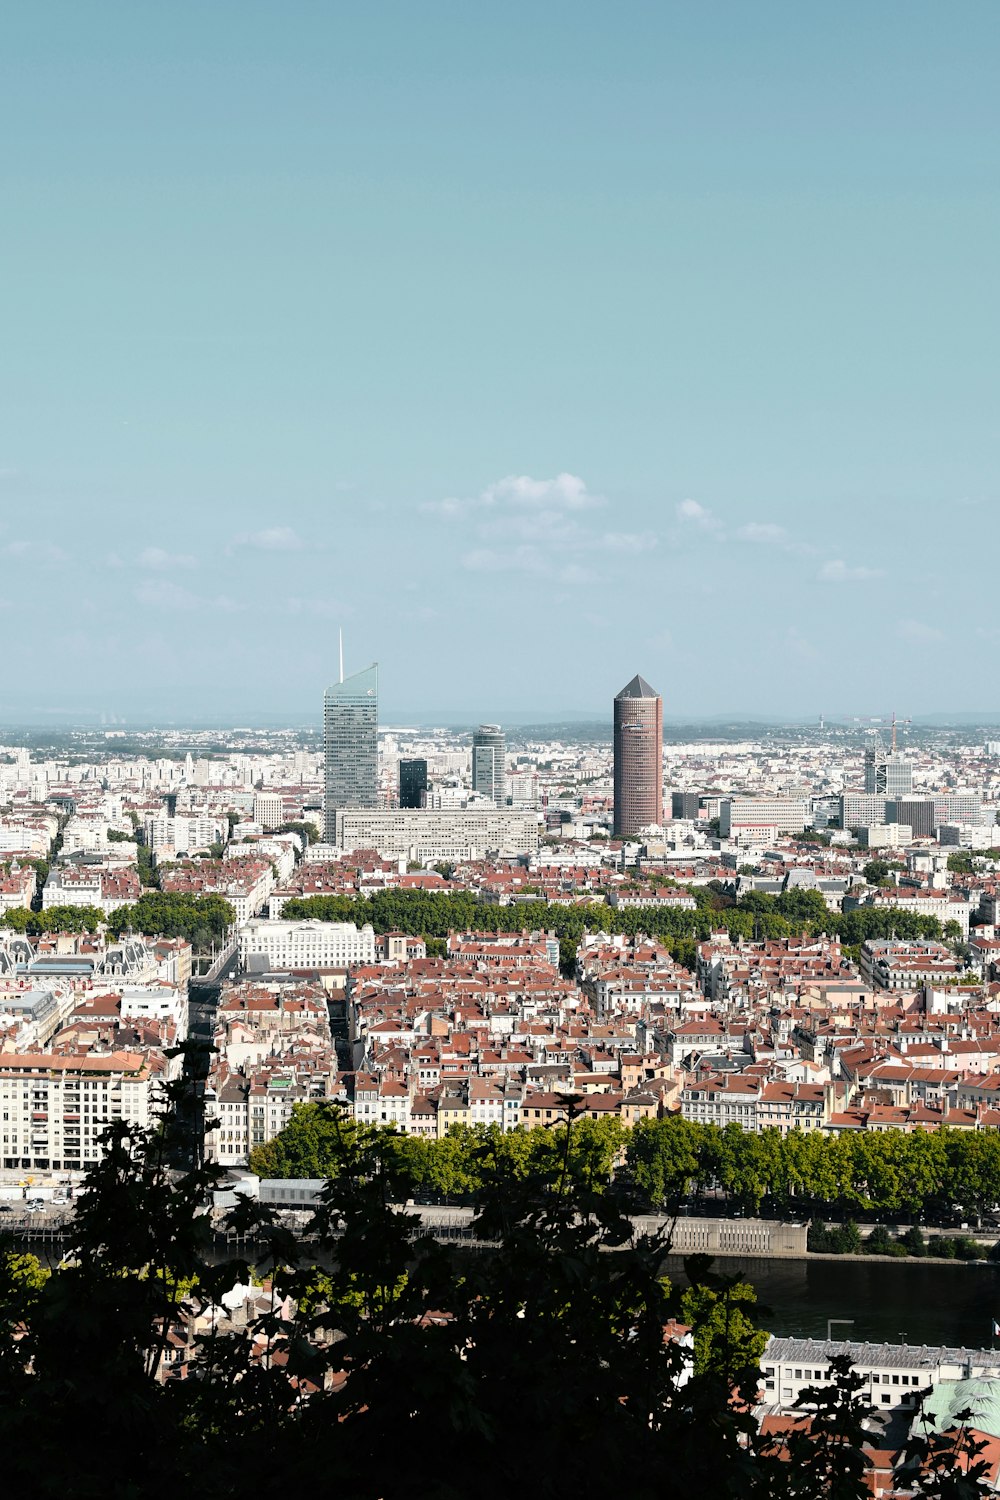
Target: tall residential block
{"points": [[350, 745], [638, 747], [489, 754], [413, 783]]}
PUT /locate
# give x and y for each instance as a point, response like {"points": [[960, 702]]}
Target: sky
{"points": [[533, 344]]}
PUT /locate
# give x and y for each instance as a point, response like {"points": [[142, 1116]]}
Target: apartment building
{"points": [[431, 833], [739, 814], [86, 885], [55, 1107], [168, 837]]}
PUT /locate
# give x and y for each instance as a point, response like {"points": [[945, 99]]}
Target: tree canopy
{"points": [[199, 919], [394, 1366]]}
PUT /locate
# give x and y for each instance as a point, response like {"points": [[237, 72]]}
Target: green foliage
{"points": [[436, 913], [881, 1242], [845, 1239], [914, 1242], [727, 1342], [400, 1367], [670, 1160], [875, 871], [116, 836], [961, 862], [55, 919], [199, 919], [458, 1165]]}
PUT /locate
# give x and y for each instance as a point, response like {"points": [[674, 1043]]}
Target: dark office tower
{"points": [[350, 746], [489, 753], [638, 758], [684, 804], [921, 814], [413, 783]]}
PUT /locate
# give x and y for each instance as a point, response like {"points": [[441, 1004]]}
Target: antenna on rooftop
{"points": [[341, 653]]}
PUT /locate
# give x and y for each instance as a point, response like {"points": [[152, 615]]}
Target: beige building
{"points": [[55, 1108]]}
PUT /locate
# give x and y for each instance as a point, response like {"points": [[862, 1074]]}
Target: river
{"points": [[893, 1300]]}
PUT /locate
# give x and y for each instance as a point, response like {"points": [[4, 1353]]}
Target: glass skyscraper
{"points": [[413, 783], [350, 746], [489, 773]]}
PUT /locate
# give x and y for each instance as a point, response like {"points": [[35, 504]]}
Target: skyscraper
{"points": [[638, 745], [413, 783], [886, 772], [489, 751], [350, 745]]}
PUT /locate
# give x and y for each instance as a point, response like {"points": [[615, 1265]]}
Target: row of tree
{"points": [[666, 1163], [755, 916], [55, 919], [847, 1239]]}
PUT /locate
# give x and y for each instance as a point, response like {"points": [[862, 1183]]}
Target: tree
{"points": [[961, 862], [199, 919], [727, 1342], [914, 1241], [875, 871]]}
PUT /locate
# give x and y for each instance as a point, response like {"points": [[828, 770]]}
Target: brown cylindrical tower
{"points": [[638, 758]]}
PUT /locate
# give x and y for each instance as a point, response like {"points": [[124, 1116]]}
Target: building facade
{"points": [[489, 753], [413, 783], [434, 833], [269, 810], [306, 945], [638, 755], [887, 774], [783, 814], [350, 745]]}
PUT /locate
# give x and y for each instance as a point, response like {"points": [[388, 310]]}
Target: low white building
{"points": [[306, 945], [893, 1374]]}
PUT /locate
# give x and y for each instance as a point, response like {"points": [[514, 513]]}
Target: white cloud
{"points": [[564, 493], [163, 593], [625, 541], [505, 560], [160, 593], [918, 632], [542, 528], [693, 513], [763, 531], [838, 571], [271, 539], [159, 561]]}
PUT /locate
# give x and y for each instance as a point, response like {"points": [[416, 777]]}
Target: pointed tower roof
{"points": [[638, 688]]}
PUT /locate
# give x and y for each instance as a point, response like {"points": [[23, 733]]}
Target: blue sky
{"points": [[536, 344]]}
